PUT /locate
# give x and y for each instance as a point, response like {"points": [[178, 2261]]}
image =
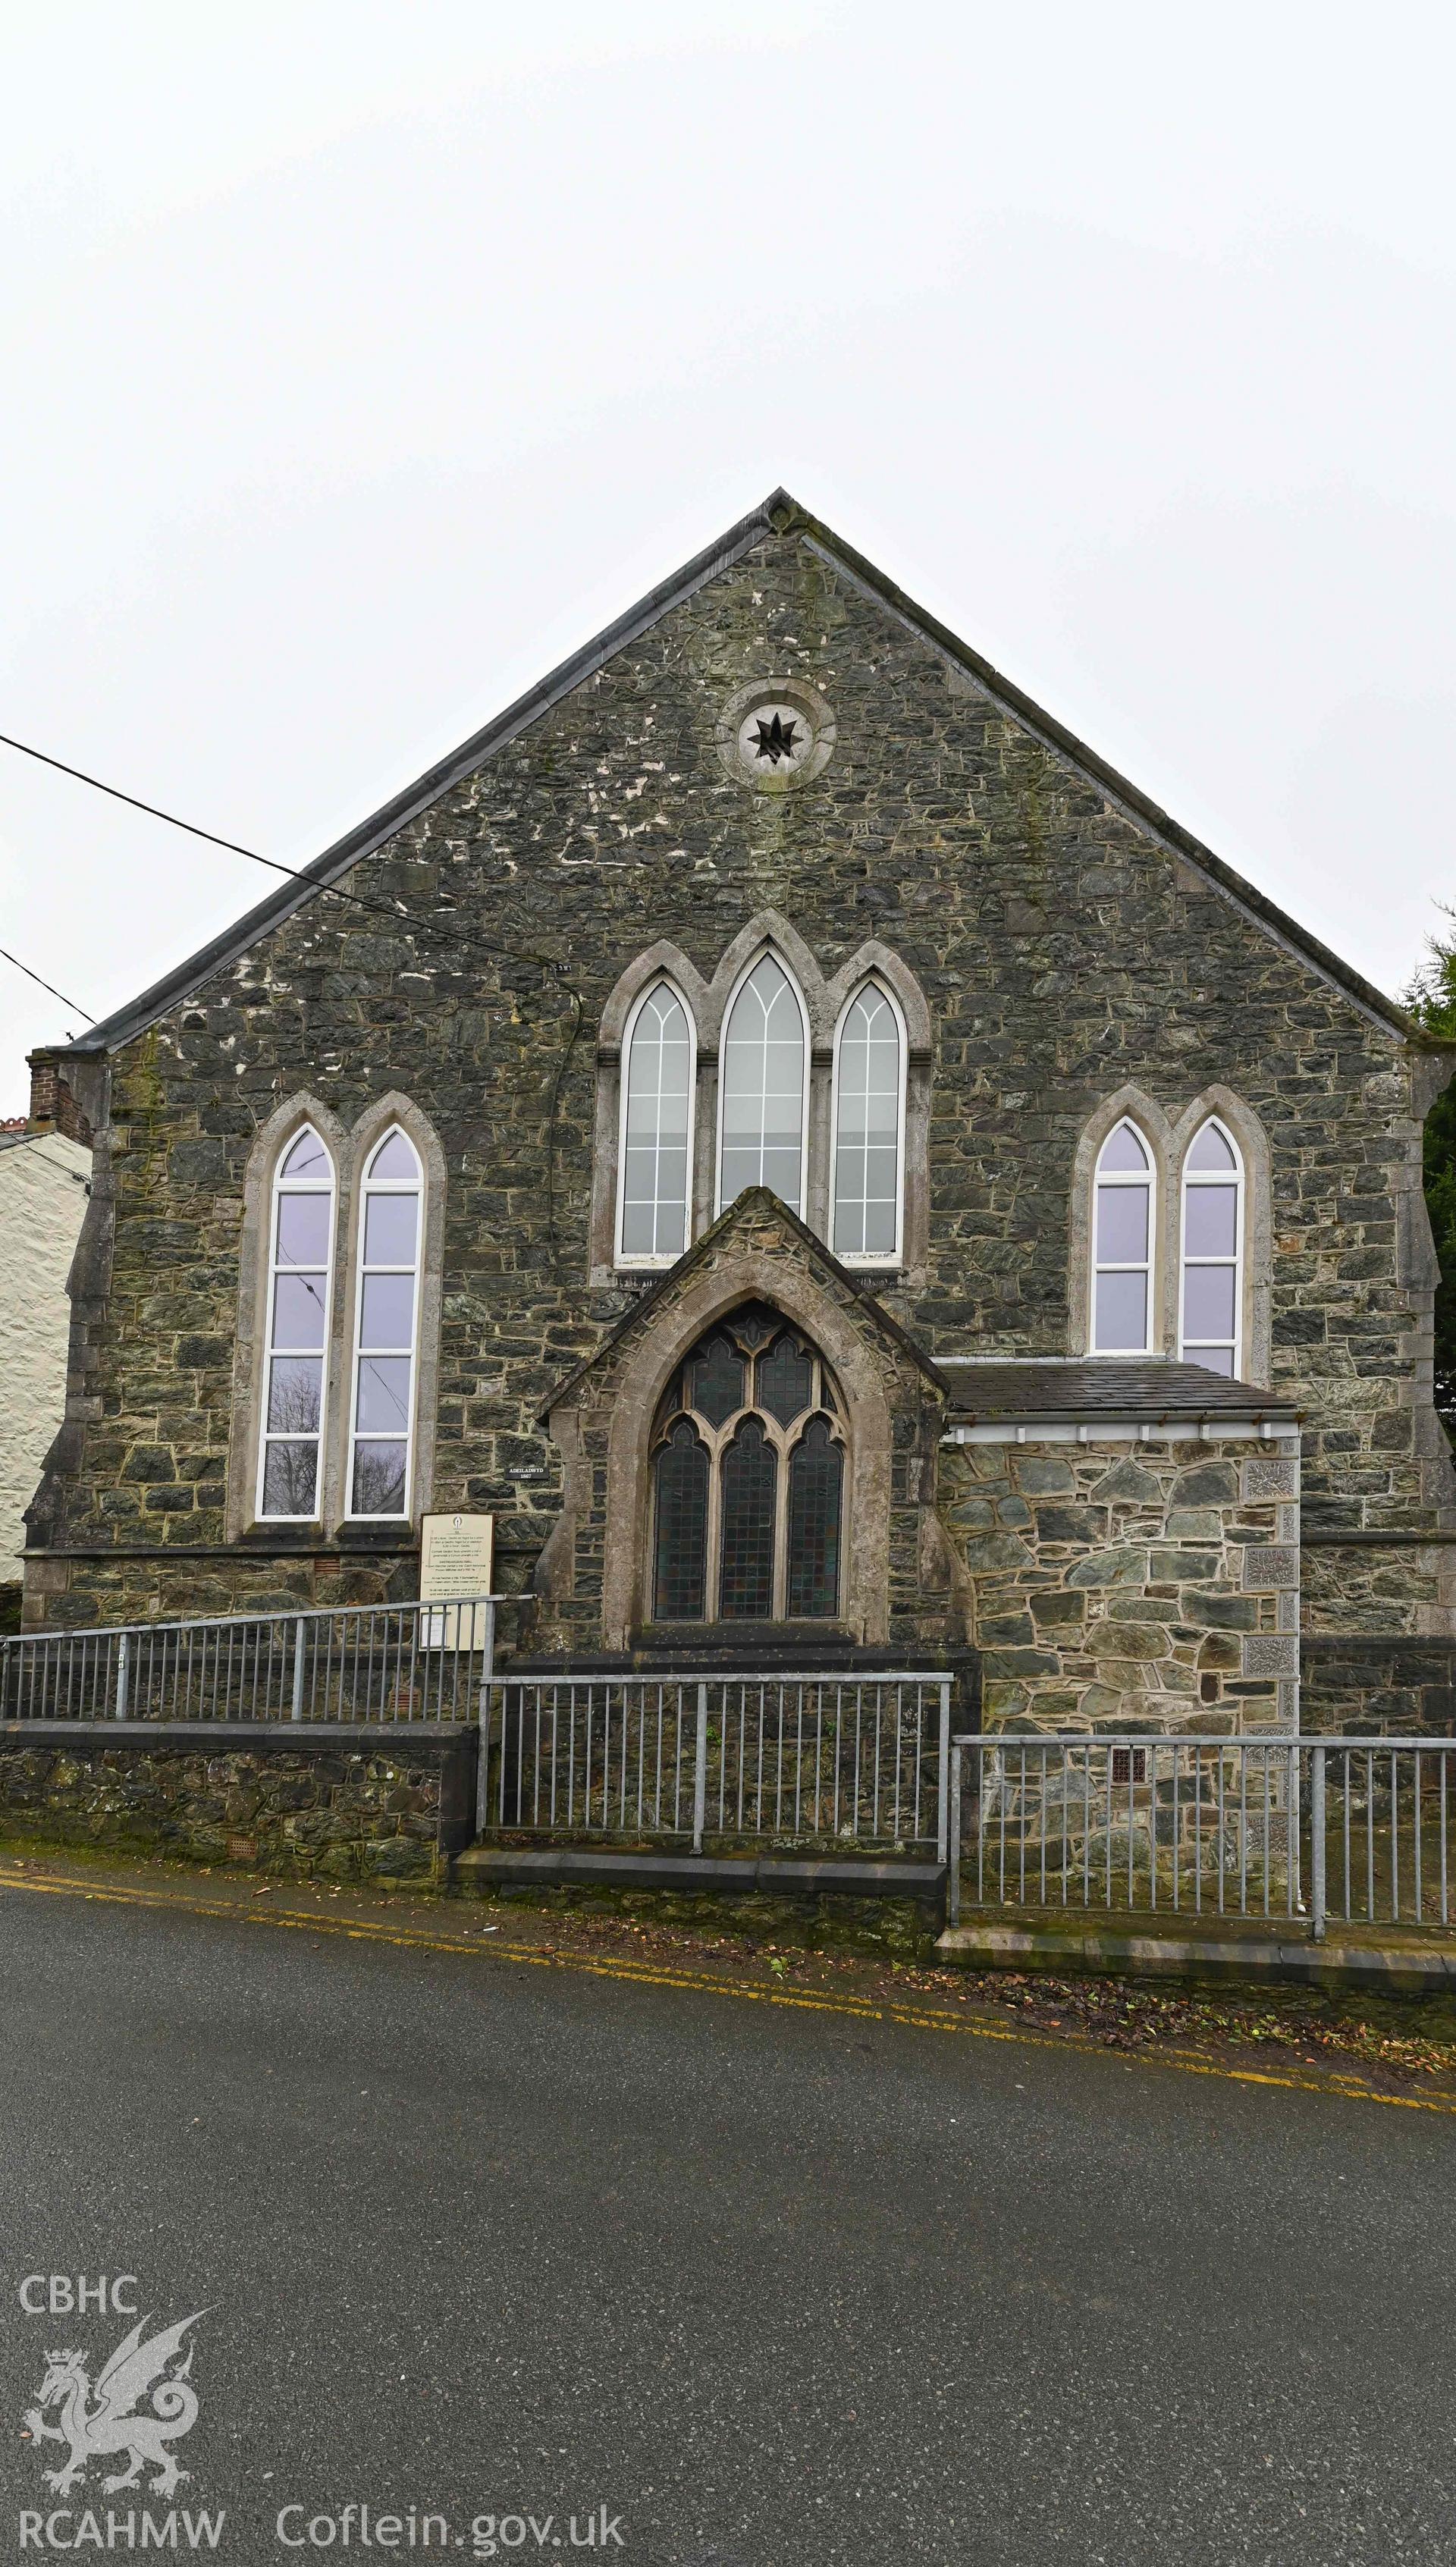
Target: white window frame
{"points": [[1148, 1180], [1236, 1178], [278, 1186], [791, 976], [395, 1186], [880, 1258], [634, 1261]]}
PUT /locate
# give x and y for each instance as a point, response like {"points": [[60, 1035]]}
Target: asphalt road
{"points": [[778, 2289]]}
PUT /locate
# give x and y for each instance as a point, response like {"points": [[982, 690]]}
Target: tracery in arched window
{"points": [[748, 1479]]}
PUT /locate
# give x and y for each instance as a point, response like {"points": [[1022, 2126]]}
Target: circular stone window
{"points": [[775, 735]]}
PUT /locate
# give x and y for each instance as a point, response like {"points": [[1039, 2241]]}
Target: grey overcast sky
{"points": [[359, 361]]}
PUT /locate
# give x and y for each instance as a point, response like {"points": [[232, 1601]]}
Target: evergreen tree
{"points": [[1431, 1000]]}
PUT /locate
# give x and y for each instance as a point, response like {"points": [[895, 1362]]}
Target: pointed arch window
{"points": [[1210, 1300], [655, 1185], [761, 1087], [867, 1190], [748, 1480], [300, 1286], [1123, 1244], [386, 1330]]}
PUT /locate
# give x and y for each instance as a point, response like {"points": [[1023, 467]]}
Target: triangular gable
{"points": [[777, 514], [757, 1210]]}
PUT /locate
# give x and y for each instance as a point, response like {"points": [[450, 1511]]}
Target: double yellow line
{"points": [[355, 1929]]}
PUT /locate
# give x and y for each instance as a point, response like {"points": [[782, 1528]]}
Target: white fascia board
{"points": [[1126, 1430]]}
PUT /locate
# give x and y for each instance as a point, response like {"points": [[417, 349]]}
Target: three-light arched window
{"points": [[1211, 1296], [764, 1134], [866, 1190], [655, 1184], [296, 1327], [747, 1480], [762, 1087], [1123, 1243], [385, 1329]]}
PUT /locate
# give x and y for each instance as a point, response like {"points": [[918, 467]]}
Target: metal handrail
{"points": [[58, 1632], [728, 1675], [396, 1663]]}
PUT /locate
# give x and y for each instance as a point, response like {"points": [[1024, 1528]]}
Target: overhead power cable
{"points": [[295, 873], [48, 985], [396, 914]]}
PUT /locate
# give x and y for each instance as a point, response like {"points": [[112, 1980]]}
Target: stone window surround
{"points": [[707, 1003], [349, 1150], [1168, 1139], [869, 1442]]}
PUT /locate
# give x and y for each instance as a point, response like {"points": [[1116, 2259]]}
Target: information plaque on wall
{"points": [[457, 1554]]}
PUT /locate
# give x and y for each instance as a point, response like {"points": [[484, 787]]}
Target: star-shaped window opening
{"points": [[777, 738]]}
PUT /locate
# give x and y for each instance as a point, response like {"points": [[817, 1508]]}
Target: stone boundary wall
{"points": [[1362, 1683], [1150, 1587], [347, 1805]]}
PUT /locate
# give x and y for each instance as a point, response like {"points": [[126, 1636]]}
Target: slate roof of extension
{"points": [[988, 1394], [777, 513]]}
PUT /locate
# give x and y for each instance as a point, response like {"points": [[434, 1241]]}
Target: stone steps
{"points": [[490, 1867], [1400, 1966]]}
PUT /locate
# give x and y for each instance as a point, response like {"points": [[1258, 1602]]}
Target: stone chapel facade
{"points": [[825, 1162]]}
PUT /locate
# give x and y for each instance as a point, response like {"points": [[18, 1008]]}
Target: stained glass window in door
{"points": [[748, 1479]]}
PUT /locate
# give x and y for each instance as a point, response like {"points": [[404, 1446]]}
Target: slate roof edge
{"points": [[1137, 805], [1123, 1391], [124, 1024], [1068, 1414]]}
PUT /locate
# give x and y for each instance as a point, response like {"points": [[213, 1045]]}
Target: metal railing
{"points": [[345, 1662], [1298, 1828], [797, 1758]]}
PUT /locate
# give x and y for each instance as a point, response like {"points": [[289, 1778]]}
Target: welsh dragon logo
{"points": [[100, 2423]]}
